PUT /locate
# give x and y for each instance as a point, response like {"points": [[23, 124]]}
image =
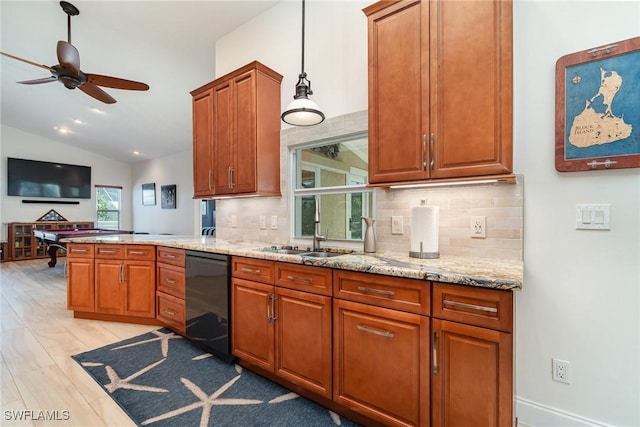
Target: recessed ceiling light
{"points": [[137, 153], [62, 129], [78, 121], [96, 110]]}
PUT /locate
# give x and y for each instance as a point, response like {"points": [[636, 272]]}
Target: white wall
{"points": [[104, 171], [581, 298], [176, 169]]}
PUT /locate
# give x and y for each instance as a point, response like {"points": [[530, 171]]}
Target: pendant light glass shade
{"points": [[302, 111]]}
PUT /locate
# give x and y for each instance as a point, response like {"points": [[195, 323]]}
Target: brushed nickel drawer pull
{"points": [[435, 352], [138, 252], [79, 251], [170, 256], [470, 306], [250, 270], [169, 312], [170, 281], [385, 334], [300, 279], [107, 251], [376, 291]]}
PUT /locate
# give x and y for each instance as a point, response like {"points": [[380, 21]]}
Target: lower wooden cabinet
{"points": [[125, 280], [472, 360], [170, 288], [80, 277], [283, 331], [381, 362]]}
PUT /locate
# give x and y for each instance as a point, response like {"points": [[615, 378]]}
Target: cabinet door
{"points": [[80, 284], [223, 137], [471, 82], [202, 144], [252, 334], [243, 174], [109, 286], [381, 363], [140, 289], [303, 340], [398, 92], [471, 376]]}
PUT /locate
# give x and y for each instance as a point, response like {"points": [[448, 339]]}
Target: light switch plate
{"points": [[593, 217], [263, 222], [396, 225], [274, 222]]}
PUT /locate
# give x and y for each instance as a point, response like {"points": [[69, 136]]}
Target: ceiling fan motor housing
{"points": [[68, 78]]}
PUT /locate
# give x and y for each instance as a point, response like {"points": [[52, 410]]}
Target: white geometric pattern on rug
{"points": [[206, 402], [162, 337], [203, 401]]}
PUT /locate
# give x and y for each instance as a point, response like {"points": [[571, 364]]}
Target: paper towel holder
{"points": [[424, 255]]}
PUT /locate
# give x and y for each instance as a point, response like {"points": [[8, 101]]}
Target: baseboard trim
{"points": [[534, 414]]}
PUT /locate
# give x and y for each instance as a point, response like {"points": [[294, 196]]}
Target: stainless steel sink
{"points": [[284, 250], [322, 254]]}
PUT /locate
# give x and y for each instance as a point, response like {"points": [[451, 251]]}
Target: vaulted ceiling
{"points": [[167, 44]]}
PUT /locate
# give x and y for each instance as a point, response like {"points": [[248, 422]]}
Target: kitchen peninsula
{"points": [[434, 336]]}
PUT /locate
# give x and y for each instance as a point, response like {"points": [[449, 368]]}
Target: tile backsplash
{"points": [[501, 204]]}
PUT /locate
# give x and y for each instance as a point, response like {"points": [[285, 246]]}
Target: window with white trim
{"points": [[333, 173], [108, 207]]}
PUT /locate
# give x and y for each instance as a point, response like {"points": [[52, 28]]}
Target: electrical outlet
{"points": [[478, 227], [561, 371], [396, 225], [274, 222], [263, 222]]}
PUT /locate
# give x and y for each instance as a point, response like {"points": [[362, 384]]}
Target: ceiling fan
{"points": [[68, 70]]}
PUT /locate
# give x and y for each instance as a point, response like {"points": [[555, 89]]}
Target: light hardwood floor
{"points": [[38, 336]]}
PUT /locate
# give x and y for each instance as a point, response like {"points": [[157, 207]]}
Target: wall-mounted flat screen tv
{"points": [[34, 178]]}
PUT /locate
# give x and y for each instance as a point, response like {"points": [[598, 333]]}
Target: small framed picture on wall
{"points": [[168, 195], [148, 194]]}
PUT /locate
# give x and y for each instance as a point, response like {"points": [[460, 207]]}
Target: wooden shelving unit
{"points": [[21, 243]]}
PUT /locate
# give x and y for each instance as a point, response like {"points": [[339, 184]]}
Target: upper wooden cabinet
{"points": [[440, 89], [236, 134]]}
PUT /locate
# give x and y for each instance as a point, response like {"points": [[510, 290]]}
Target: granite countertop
{"points": [[481, 272]]}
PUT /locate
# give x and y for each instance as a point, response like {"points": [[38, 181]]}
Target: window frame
{"points": [[296, 194], [117, 211]]}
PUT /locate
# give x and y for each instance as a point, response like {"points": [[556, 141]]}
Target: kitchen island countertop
{"points": [[492, 273]]}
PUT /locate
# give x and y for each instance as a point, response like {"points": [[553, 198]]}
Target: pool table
{"points": [[52, 238]]}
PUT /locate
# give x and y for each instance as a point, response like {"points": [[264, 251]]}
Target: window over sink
{"points": [[334, 172]]}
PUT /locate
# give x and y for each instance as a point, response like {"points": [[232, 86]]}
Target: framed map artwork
{"points": [[598, 108]]}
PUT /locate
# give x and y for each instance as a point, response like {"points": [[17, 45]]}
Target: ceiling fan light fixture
{"points": [[302, 111]]}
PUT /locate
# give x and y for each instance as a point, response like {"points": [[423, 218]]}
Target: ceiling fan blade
{"points": [[94, 91], [39, 81], [68, 56], [27, 61], [115, 82]]}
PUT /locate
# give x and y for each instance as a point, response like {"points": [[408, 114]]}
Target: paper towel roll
{"points": [[424, 229]]}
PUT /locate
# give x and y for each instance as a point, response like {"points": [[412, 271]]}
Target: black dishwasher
{"points": [[207, 302]]}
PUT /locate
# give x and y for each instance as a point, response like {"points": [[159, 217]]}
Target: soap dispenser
{"points": [[369, 235]]}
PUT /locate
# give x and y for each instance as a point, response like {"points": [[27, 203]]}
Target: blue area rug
{"points": [[160, 379]]}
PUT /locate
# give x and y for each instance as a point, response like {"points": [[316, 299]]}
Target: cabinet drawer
{"points": [[110, 251], [80, 250], [170, 310], [488, 308], [171, 280], [140, 252], [257, 270], [304, 278], [171, 256], [384, 291]]}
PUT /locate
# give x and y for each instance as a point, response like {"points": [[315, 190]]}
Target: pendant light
{"points": [[302, 111]]}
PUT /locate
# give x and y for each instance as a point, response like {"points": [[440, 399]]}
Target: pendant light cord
{"points": [[302, 67]]}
